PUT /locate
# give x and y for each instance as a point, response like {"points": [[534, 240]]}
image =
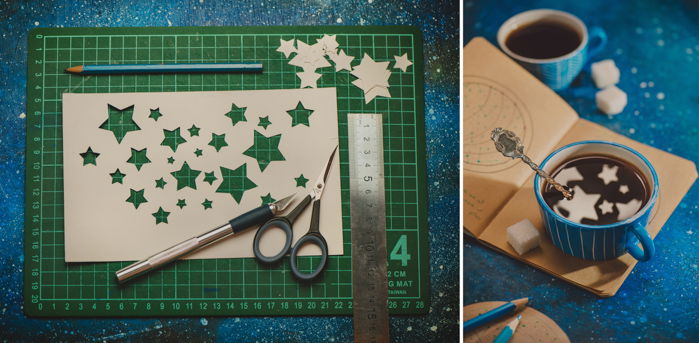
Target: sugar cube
{"points": [[611, 100], [605, 73], [523, 236]]}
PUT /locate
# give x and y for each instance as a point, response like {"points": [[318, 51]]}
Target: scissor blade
{"points": [[320, 183]]}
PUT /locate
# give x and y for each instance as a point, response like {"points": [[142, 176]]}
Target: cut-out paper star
{"points": [[606, 207], [170, 160], [287, 47], [342, 61], [264, 122], [193, 131], [218, 141], [267, 199], [173, 139], [138, 158], [160, 216], [198, 152], [235, 182], [299, 115], [624, 189], [301, 181], [207, 203], [181, 203], [567, 175], [137, 197], [608, 174], [328, 44], [210, 178], [402, 62], [117, 176], [120, 122], [186, 177], [89, 157], [309, 79], [309, 57], [237, 114], [376, 91], [372, 78], [265, 149], [160, 183], [628, 209], [581, 206], [155, 114]]}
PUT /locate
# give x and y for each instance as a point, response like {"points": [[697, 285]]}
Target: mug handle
{"points": [[597, 40], [639, 232]]}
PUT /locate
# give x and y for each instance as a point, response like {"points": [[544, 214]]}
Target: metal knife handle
{"points": [[173, 253]]}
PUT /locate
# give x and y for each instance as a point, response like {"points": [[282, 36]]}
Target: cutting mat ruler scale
{"points": [[221, 286]]}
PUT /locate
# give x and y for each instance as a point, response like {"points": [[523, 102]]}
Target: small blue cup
{"points": [[557, 72], [600, 242]]}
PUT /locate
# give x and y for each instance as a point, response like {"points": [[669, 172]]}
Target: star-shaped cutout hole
{"points": [[264, 122], [581, 206], [173, 139], [89, 157], [299, 115], [218, 141], [198, 152], [160, 183], [181, 203], [235, 182], [117, 176], [265, 150], [137, 197], [267, 199], [210, 178], [138, 158], [161, 216], [170, 160], [120, 122], [608, 174], [193, 131], [186, 177], [301, 181], [207, 204], [402, 62], [286, 47], [155, 114], [236, 114]]}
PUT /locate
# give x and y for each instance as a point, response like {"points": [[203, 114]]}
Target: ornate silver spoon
{"points": [[510, 145]]}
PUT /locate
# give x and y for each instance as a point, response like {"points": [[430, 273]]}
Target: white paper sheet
{"points": [[100, 225]]}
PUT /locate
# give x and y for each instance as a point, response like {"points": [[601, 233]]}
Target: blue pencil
{"points": [[496, 313], [508, 331], [242, 67]]}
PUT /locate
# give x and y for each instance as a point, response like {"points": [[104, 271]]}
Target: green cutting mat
{"points": [[220, 286]]}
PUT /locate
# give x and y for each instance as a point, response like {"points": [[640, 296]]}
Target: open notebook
{"points": [[498, 191]]}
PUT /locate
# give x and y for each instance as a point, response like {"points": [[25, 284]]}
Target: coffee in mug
{"points": [[606, 189], [543, 39]]}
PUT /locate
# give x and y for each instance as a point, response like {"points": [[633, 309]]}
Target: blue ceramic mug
{"points": [[600, 242], [557, 72]]}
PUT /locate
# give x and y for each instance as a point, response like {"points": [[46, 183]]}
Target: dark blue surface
{"points": [[438, 21], [655, 44]]}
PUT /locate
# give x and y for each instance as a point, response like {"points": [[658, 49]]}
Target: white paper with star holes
{"points": [[101, 226]]}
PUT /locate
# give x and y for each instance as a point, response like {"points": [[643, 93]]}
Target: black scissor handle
{"points": [[309, 238], [281, 223]]}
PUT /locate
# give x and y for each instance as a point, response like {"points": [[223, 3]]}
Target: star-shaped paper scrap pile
{"points": [[311, 57], [372, 78]]}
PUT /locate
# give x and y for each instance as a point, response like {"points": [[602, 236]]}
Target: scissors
{"points": [[313, 235]]}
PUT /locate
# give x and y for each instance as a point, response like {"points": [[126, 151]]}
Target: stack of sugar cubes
{"points": [[610, 99]]}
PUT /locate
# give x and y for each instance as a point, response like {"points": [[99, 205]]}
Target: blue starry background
{"points": [[655, 44], [438, 21]]}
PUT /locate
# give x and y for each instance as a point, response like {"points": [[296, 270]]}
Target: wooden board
{"points": [[534, 326]]}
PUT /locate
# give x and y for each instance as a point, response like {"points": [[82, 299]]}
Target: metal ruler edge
{"points": [[368, 225]]}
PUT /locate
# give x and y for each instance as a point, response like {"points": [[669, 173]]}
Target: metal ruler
{"points": [[368, 223]]}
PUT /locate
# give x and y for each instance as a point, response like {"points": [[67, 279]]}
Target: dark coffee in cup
{"points": [[606, 189], [543, 39]]}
